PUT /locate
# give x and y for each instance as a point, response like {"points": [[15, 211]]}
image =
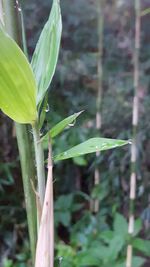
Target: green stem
{"points": [[24, 142], [28, 175], [100, 57], [39, 157]]}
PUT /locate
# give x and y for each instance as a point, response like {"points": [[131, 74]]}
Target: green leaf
{"points": [[46, 52], [64, 202], [63, 217], [116, 245], [7, 263], [137, 227], [136, 262], [90, 146], [100, 192], [80, 161], [142, 245], [65, 251], [120, 225], [17, 83], [59, 127], [89, 257], [107, 236]]}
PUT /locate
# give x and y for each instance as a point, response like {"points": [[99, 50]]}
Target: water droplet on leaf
{"points": [[47, 108]]}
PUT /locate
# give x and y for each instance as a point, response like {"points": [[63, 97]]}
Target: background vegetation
{"points": [[84, 238]]}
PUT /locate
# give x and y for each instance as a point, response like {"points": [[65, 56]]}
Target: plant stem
{"points": [[45, 244], [39, 157], [51, 226], [135, 124], [28, 175], [99, 89], [23, 139]]}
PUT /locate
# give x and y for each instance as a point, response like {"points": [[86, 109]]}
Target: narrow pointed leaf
{"points": [[17, 83], [59, 127], [46, 52], [90, 146]]}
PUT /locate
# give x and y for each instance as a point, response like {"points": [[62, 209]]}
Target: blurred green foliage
{"points": [[94, 243]]}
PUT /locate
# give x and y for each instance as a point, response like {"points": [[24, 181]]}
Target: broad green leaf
{"points": [[17, 83], [136, 262], [59, 127], [80, 161], [90, 146], [137, 227], [65, 250], [64, 202], [100, 192], [142, 245], [44, 108], [46, 52], [115, 246], [90, 257], [120, 225], [63, 217], [107, 236]]}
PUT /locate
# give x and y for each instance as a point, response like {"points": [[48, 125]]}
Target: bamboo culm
{"points": [[135, 125], [100, 22], [28, 174], [45, 244], [39, 158]]}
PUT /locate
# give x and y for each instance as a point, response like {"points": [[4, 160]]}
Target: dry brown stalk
{"points": [[45, 244]]}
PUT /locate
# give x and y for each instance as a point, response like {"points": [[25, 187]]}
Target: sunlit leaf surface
{"points": [[90, 146], [17, 83]]}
